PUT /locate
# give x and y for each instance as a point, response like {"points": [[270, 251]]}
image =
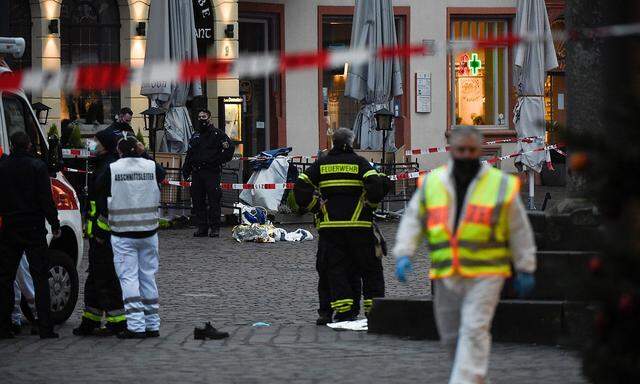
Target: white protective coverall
{"points": [[464, 307], [23, 286]]}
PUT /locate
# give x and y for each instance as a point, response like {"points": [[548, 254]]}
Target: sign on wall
{"points": [[204, 15], [423, 92]]}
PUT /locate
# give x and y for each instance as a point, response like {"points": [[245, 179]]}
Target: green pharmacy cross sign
{"points": [[474, 64]]}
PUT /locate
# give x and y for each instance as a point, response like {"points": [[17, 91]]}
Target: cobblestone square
{"points": [[235, 285]]}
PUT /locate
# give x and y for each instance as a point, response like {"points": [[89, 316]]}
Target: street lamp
{"points": [[42, 111], [384, 120], [153, 122]]}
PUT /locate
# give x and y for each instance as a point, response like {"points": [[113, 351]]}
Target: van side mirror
{"points": [[54, 155]]}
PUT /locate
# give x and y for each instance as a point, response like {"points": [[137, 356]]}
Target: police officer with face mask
{"points": [[209, 148]]}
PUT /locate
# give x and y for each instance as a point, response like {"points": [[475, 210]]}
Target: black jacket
{"points": [[207, 150], [25, 197], [98, 208], [102, 187], [350, 189]]}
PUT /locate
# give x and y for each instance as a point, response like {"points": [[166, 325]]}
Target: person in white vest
{"points": [[132, 184]]}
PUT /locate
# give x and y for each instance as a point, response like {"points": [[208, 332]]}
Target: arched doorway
{"points": [[90, 33], [20, 26]]}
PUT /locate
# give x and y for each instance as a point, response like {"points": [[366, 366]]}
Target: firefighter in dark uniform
{"points": [[325, 312], [25, 203], [102, 292], [349, 190], [209, 149]]}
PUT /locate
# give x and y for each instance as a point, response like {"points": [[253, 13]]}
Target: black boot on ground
{"points": [[48, 334], [16, 328], [87, 327], [201, 233], [152, 333], [6, 335], [127, 334], [215, 232], [324, 318], [111, 329], [208, 332]]}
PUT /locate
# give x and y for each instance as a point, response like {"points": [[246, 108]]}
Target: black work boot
{"points": [[208, 332], [111, 329], [86, 328], [149, 333], [127, 334], [215, 232], [200, 233], [324, 317], [48, 333]]}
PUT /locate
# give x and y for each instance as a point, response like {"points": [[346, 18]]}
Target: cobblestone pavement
{"points": [[235, 285]]}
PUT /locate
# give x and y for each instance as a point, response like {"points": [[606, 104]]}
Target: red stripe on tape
{"points": [[402, 51], [302, 60], [209, 68], [101, 76]]}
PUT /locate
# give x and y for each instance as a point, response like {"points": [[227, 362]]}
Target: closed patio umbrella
{"points": [[376, 83], [532, 61], [172, 37]]}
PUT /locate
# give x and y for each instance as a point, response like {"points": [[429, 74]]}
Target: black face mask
{"points": [[203, 125], [466, 168]]}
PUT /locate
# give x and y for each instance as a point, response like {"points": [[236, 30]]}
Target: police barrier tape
{"points": [[398, 177], [76, 153], [113, 76], [426, 151]]}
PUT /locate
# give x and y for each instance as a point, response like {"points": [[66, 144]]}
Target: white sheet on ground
{"points": [[357, 325], [268, 198]]}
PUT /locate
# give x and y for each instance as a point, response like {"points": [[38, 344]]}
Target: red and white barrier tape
{"points": [[76, 153], [233, 186], [114, 76], [73, 170], [510, 156], [427, 151]]}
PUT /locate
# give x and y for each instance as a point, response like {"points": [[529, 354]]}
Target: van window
{"points": [[18, 118]]}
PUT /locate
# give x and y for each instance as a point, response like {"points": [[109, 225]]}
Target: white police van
{"points": [[65, 252]]}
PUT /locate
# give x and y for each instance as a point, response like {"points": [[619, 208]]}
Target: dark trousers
{"points": [[205, 196], [350, 250], [324, 288], [102, 292], [33, 243]]}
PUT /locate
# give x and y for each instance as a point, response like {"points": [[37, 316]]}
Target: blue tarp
{"points": [[266, 158]]}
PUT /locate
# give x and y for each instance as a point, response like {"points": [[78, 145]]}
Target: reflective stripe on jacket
{"points": [[479, 246], [135, 196], [342, 189]]}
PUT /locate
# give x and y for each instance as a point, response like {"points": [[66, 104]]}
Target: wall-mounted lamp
{"points": [[228, 31], [54, 27], [141, 29]]}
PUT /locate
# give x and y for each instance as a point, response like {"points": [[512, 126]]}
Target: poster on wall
{"points": [[470, 92]]}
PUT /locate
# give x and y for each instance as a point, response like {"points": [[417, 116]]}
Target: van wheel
{"points": [[63, 285]]}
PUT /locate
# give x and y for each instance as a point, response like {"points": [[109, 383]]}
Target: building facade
{"points": [[296, 108]]}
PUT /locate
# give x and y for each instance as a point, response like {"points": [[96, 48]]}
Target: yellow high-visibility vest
{"points": [[480, 245]]}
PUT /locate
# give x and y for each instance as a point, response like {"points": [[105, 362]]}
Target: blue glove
{"points": [[403, 265], [524, 284]]}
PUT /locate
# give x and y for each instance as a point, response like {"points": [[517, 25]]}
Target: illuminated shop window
{"points": [[479, 77], [90, 34], [339, 110]]}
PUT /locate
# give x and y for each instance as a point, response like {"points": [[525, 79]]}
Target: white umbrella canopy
{"points": [[172, 37], [532, 61], [374, 84]]}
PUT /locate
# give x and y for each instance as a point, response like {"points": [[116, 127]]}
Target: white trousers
{"points": [[136, 264], [464, 310], [23, 286]]}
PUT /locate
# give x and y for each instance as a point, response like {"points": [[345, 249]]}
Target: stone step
{"points": [[560, 275], [521, 321]]}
